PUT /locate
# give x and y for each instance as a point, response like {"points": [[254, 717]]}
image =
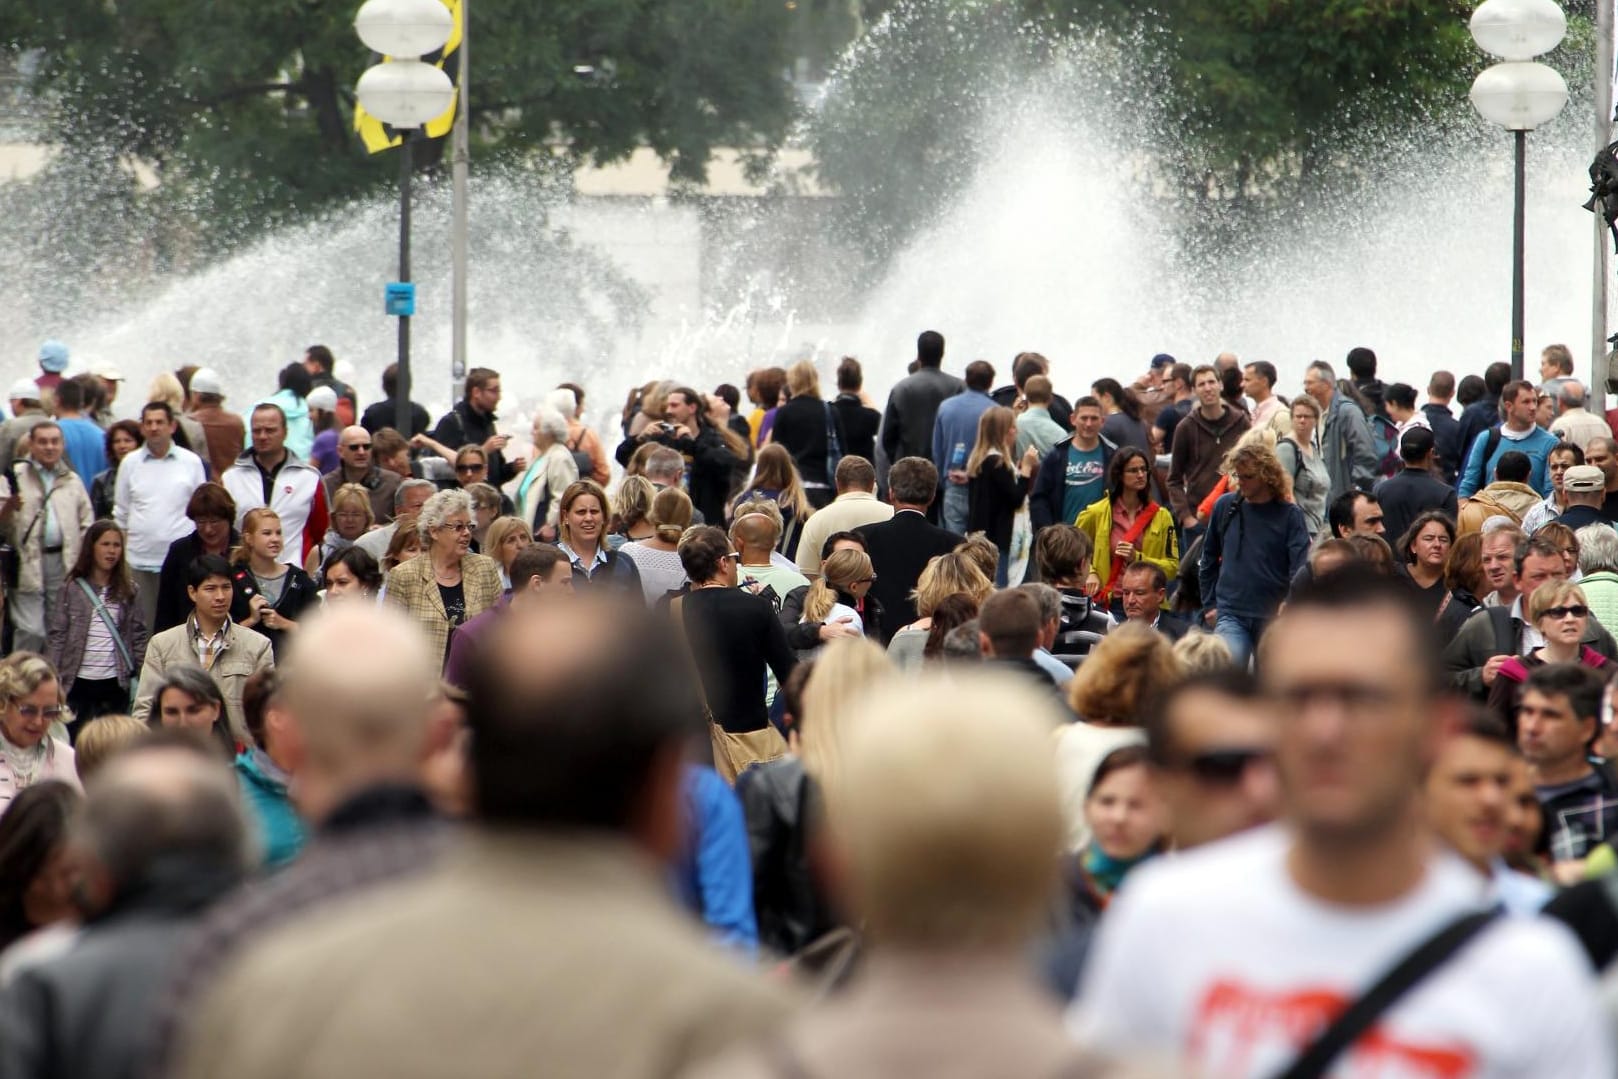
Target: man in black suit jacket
{"points": [[901, 548], [1142, 588], [1414, 489]]}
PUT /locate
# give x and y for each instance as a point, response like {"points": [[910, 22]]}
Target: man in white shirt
{"points": [[1575, 423], [269, 474], [1235, 957], [856, 505], [154, 486]]}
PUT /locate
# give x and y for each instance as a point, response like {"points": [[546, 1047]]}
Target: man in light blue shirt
{"points": [[1034, 425], [955, 432], [86, 443]]}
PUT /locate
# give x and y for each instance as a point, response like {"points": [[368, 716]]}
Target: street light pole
{"points": [[401, 391], [404, 93], [1519, 95], [1518, 229]]}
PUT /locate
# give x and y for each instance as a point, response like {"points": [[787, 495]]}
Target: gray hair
{"points": [[1325, 371], [552, 422], [410, 485], [194, 682], [163, 801], [962, 642], [439, 508], [1048, 598], [1571, 394], [563, 400], [665, 463], [1598, 548]]}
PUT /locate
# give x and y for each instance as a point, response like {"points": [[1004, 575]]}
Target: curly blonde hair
{"points": [[947, 575], [1263, 460], [1112, 684]]}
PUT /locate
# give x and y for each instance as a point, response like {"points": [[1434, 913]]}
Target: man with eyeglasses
{"points": [[357, 464], [1233, 959], [269, 474], [1211, 740]]}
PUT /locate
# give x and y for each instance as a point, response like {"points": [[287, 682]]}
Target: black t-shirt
{"points": [[1170, 416], [734, 636], [454, 597]]}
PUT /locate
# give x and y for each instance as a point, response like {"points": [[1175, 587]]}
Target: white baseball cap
{"points": [[25, 389], [206, 380], [108, 370], [323, 398]]}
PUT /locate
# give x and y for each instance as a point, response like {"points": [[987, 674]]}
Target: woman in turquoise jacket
{"points": [[292, 399]]}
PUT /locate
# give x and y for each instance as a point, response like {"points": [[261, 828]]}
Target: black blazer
{"points": [[900, 549], [993, 498], [860, 425]]}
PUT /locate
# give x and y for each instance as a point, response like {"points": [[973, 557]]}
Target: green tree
{"points": [[245, 110]]}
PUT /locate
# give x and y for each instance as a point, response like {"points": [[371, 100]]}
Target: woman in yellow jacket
{"points": [[1127, 526]]}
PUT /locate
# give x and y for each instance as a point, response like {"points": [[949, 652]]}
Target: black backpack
{"points": [[1604, 188]]}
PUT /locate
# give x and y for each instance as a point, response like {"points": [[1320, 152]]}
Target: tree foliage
{"points": [[249, 106]]}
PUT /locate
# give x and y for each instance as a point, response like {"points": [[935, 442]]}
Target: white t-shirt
{"points": [[1216, 956]]}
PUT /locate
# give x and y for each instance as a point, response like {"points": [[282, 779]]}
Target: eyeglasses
{"points": [[458, 527], [867, 580], [362, 447], [1577, 610], [732, 556], [33, 711], [1222, 767], [479, 467]]}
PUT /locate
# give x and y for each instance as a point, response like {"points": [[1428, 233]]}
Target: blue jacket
{"points": [[1050, 483], [279, 829], [715, 877], [957, 422], [1477, 473], [1250, 554]]}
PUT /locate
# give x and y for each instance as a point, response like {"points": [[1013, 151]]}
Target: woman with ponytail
{"points": [[843, 591], [657, 557]]}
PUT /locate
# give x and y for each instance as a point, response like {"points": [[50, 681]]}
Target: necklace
{"points": [[24, 763]]}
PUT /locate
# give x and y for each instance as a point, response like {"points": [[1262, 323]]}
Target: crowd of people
{"points": [[1176, 727]]}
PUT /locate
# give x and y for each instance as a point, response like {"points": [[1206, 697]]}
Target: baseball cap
{"points": [[206, 380], [106, 369], [53, 357], [1416, 443], [323, 398], [24, 389], [1587, 478], [1163, 359]]}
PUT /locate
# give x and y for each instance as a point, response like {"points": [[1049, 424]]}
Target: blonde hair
{"points": [[1554, 593], [403, 535], [946, 575], [778, 472], [927, 866], [1199, 652], [1254, 436], [995, 428], [21, 673], [166, 387], [671, 514], [842, 569], [843, 672], [352, 494], [101, 739], [501, 529], [1112, 684], [803, 380], [983, 553], [632, 502], [250, 520]]}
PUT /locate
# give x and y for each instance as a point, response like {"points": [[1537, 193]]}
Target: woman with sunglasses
{"points": [[842, 593], [1559, 611], [31, 701]]}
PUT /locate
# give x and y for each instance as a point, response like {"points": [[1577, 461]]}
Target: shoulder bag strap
{"points": [[1389, 989], [112, 627], [676, 608]]}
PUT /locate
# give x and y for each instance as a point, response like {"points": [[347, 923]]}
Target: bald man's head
{"points": [[358, 681], [753, 533], [567, 732], [354, 447]]}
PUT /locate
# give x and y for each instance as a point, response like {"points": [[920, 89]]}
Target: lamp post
{"points": [[1518, 95], [404, 93]]}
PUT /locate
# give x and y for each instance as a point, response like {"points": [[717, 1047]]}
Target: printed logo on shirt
{"points": [[1085, 471], [1242, 1030]]}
